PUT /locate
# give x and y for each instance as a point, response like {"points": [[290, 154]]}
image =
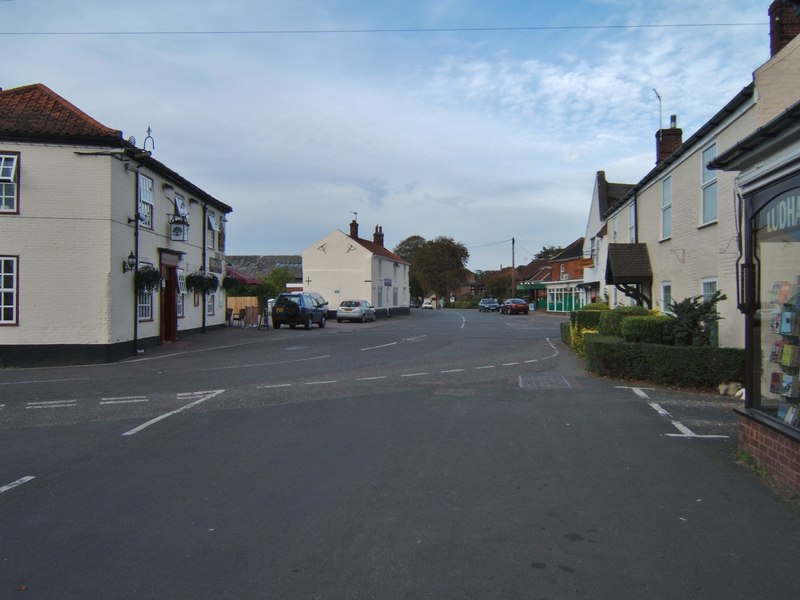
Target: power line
{"points": [[377, 31]]}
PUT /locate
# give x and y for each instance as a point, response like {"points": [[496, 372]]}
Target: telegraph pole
{"points": [[513, 270]]}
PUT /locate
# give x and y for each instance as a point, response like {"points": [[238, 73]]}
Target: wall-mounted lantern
{"points": [[129, 264]]}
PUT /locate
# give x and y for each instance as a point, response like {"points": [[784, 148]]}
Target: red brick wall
{"points": [[778, 454], [784, 25]]}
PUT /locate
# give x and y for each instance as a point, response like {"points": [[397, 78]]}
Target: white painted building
{"points": [[81, 212], [347, 267]]}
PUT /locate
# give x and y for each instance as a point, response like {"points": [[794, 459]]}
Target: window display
{"points": [[777, 323]]}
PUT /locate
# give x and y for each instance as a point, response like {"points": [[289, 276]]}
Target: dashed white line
{"points": [[123, 400], [43, 381], [452, 371], [370, 378], [51, 404], [413, 374], [511, 364], [485, 367], [320, 382], [16, 483], [277, 385]]}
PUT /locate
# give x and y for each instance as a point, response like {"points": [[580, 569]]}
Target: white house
{"points": [[82, 213], [343, 267], [683, 217]]}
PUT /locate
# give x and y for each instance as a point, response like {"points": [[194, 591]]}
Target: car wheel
{"points": [[276, 324], [338, 320], [322, 322], [363, 318], [308, 322], [292, 325]]}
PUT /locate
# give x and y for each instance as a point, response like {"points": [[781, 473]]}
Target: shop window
{"points": [[9, 188], [8, 290], [777, 320]]}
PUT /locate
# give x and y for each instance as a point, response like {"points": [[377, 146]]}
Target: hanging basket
{"points": [[148, 279], [201, 283], [230, 283]]}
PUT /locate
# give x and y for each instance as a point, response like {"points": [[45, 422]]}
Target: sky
{"points": [[479, 120]]}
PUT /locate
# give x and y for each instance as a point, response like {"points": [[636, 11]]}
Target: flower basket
{"points": [[148, 279], [230, 283], [201, 283]]}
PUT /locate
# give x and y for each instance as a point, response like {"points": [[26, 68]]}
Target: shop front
{"points": [[769, 293], [565, 296]]}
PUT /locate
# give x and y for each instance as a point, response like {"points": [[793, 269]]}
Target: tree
{"points": [[498, 285], [406, 250], [275, 282], [440, 265], [548, 252]]}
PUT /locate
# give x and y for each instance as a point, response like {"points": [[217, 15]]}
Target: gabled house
{"points": [[595, 242], [346, 267], [566, 275], [685, 216], [85, 216], [533, 279]]}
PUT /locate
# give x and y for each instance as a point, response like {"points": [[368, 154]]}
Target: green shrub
{"points": [[695, 367], [576, 339], [649, 328], [588, 319], [596, 306], [611, 321]]}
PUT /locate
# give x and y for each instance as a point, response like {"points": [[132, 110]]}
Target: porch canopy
{"points": [[628, 269], [244, 278]]}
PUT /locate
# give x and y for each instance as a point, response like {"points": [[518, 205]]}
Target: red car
{"points": [[514, 306]]}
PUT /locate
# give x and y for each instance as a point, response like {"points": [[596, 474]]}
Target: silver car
{"points": [[355, 310]]}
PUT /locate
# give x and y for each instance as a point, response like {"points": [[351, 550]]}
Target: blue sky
{"points": [[435, 125]]}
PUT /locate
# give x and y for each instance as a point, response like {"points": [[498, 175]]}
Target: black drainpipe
{"points": [[136, 266], [203, 267]]}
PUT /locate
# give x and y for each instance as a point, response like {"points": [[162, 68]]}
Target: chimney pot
{"points": [[354, 229]]}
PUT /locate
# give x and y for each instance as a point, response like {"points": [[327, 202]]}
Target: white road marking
{"points": [[452, 371], [205, 396], [509, 364], [486, 367], [320, 382], [377, 347], [51, 404], [370, 378], [123, 400], [533, 360], [685, 432], [16, 483], [277, 385], [413, 374], [43, 381]]}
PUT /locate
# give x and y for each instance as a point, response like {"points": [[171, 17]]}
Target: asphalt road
{"points": [[441, 455]]}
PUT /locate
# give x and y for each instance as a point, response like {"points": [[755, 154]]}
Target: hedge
{"points": [[651, 329], [610, 322], [678, 366]]}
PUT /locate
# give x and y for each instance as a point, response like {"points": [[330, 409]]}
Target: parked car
{"points": [[488, 305], [355, 310], [514, 306], [299, 308], [427, 304]]}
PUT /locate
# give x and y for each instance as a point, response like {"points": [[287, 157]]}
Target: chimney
{"points": [[668, 140], [784, 24], [377, 237], [354, 229]]}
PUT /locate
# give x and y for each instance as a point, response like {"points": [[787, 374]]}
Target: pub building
{"points": [[768, 292]]}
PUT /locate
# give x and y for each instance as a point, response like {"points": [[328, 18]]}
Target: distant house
{"points": [[533, 279], [84, 216], [563, 291], [342, 267]]}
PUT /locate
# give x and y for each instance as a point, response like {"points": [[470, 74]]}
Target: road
{"points": [[446, 454]]}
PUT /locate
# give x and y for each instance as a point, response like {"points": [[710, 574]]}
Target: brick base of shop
{"points": [[777, 453]]}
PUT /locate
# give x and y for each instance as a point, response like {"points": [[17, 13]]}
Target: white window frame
{"points": [[212, 231], [593, 248], [706, 282], [9, 187], [9, 290], [146, 200], [144, 305], [179, 305], [666, 207], [210, 305], [709, 203], [666, 296]]}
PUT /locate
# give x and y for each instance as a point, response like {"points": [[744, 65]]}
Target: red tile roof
{"points": [[379, 250], [37, 112]]}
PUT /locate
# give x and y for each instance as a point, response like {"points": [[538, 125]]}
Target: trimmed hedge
{"points": [[650, 329], [596, 306], [611, 321], [679, 366]]}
